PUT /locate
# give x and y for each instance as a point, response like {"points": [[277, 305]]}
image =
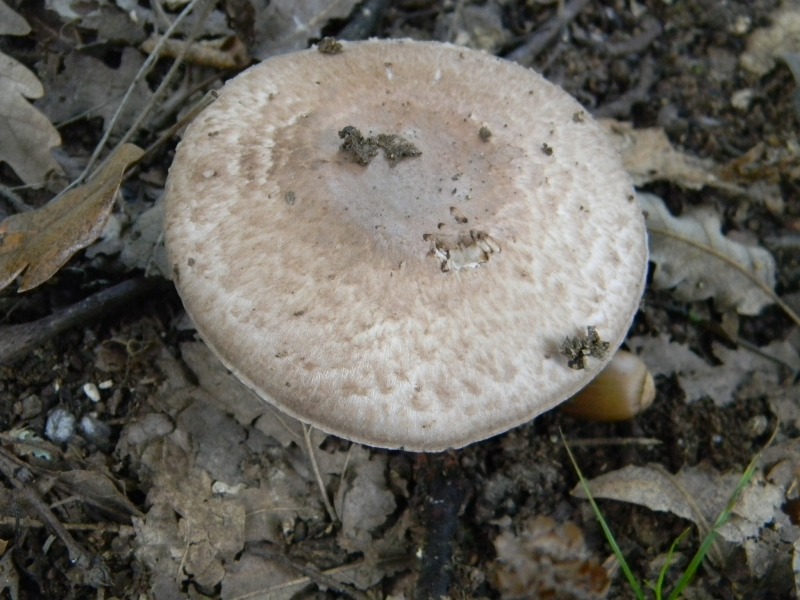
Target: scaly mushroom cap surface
{"points": [[420, 302]]}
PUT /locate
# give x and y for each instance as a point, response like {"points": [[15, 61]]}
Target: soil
{"points": [[681, 80]]}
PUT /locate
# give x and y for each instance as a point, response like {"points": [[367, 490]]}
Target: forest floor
{"points": [[134, 465]]}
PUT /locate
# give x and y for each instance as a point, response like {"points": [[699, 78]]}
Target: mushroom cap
{"points": [[419, 303]]}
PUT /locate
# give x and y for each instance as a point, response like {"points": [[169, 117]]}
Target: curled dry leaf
{"points": [[39, 242], [649, 156], [697, 262], [27, 134]]}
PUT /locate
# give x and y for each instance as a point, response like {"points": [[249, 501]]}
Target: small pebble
{"points": [[31, 406], [95, 430], [757, 426], [741, 99], [220, 487], [91, 391], [60, 426]]}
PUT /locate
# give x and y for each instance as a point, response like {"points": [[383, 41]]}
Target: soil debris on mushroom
{"points": [[364, 149], [579, 348]]}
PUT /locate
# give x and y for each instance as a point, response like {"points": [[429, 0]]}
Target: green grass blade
{"points": [[632, 581], [723, 518], [659, 586]]}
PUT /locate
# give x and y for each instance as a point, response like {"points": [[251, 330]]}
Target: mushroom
{"points": [[416, 301]]}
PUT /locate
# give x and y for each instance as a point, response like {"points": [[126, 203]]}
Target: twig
{"points": [[16, 340], [595, 442], [143, 72], [364, 22], [178, 100], [313, 458], [167, 79], [207, 99], [20, 476], [321, 579], [93, 527], [14, 200], [545, 34], [636, 45], [621, 106]]}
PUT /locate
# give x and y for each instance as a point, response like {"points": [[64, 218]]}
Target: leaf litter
{"points": [[650, 156], [83, 86], [758, 525], [28, 136], [212, 457], [700, 379], [220, 485]]}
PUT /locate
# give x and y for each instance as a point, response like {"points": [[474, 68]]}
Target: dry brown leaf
{"points": [[251, 576], [364, 501], [28, 136], [228, 393], [698, 379], [697, 262], [82, 85], [98, 489], [203, 530], [545, 559], [214, 484], [649, 156], [39, 242], [699, 494]]}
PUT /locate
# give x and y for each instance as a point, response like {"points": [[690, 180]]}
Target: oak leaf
{"points": [[39, 242], [27, 135], [697, 262], [82, 85]]}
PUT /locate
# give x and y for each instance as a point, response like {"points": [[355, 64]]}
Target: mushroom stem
{"points": [[444, 492]]}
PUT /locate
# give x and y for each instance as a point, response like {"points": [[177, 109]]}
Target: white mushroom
{"points": [[420, 301]]}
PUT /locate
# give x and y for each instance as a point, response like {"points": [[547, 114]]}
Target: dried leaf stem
{"points": [[322, 579], [312, 457], [144, 70], [21, 477]]}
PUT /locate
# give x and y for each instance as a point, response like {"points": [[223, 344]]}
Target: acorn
{"points": [[622, 390]]}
